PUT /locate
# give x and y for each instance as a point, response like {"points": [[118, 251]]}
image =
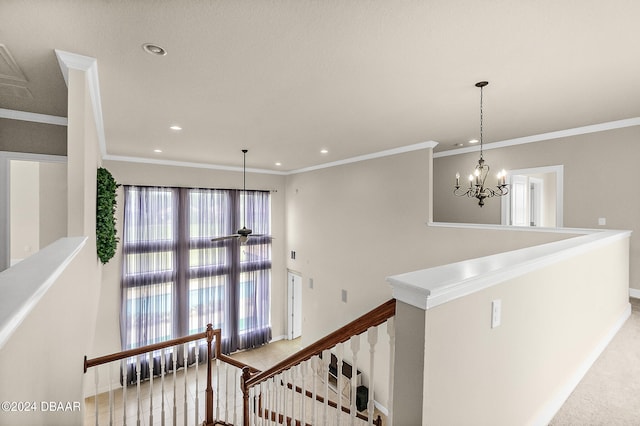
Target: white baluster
{"points": [[175, 368], [339, 355], [226, 392], [151, 388], [260, 403], [185, 355], [111, 399], [355, 348], [138, 372], [252, 417], [95, 395], [236, 381], [124, 392], [218, 416], [163, 370], [302, 370], [294, 377], [277, 390], [391, 331], [284, 395], [372, 336], [197, 355], [326, 360], [273, 393], [315, 367]]}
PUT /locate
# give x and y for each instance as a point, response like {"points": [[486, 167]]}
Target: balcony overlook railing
{"points": [[315, 386]]}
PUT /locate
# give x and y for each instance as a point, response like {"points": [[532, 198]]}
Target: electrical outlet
{"points": [[496, 313], [602, 221]]}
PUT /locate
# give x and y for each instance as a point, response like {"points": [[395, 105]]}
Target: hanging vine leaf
{"points": [[106, 234]]}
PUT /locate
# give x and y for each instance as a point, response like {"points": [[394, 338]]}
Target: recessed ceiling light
{"points": [[175, 127], [157, 150], [459, 144], [473, 141], [324, 151], [278, 164], [154, 49]]}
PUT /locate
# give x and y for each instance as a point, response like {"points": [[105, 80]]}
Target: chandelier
{"points": [[477, 179]]}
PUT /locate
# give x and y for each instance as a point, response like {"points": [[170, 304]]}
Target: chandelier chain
{"points": [[481, 121]]}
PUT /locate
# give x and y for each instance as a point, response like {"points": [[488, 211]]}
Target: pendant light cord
{"points": [[244, 185]]}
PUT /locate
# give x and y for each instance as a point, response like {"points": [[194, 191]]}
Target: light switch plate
{"points": [[496, 313]]}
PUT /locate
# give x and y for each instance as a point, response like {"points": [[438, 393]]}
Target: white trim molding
{"points": [[428, 288], [634, 293], [601, 127], [379, 154], [33, 117], [505, 206], [90, 66], [146, 160], [36, 274]]}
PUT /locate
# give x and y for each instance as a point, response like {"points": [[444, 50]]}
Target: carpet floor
{"points": [[609, 394]]}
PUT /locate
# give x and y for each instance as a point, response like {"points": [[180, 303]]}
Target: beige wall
{"points": [[356, 224], [53, 202], [552, 320], [25, 209], [598, 171], [37, 138], [43, 359], [38, 205]]}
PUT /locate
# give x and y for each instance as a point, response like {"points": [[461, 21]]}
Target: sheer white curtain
{"points": [[175, 280]]}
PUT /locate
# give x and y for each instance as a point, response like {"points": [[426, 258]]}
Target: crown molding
{"points": [[386, 153], [379, 154], [145, 160], [33, 117], [89, 65], [594, 128]]}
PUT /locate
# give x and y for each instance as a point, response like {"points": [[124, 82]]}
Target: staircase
{"points": [[319, 385]]}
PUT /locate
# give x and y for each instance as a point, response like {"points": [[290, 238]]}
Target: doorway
{"points": [[33, 193], [535, 197]]}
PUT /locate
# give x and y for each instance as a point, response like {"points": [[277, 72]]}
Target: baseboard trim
{"points": [[276, 338], [381, 408], [552, 407], [635, 293]]}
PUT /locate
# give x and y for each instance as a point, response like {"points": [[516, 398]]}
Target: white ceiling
{"points": [[288, 78]]}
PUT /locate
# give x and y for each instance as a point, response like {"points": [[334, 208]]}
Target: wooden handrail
{"points": [[88, 363], [361, 324]]}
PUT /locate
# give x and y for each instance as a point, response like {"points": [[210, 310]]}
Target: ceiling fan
{"points": [[243, 233]]}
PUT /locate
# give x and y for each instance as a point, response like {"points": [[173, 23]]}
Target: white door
{"points": [[294, 304], [519, 201]]}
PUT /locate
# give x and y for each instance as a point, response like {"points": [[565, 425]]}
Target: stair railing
{"points": [[263, 399], [148, 351]]}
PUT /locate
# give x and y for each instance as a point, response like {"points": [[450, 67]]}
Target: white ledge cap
{"points": [[431, 287], [23, 285]]}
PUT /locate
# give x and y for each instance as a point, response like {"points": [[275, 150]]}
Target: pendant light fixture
{"points": [[477, 179]]}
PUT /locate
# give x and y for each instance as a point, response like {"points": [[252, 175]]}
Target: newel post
{"points": [[410, 368], [209, 391], [246, 375]]}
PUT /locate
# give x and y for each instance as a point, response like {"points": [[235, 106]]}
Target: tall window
{"points": [[175, 280]]}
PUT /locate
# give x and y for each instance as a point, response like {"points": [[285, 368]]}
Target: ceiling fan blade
{"points": [[226, 237]]}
